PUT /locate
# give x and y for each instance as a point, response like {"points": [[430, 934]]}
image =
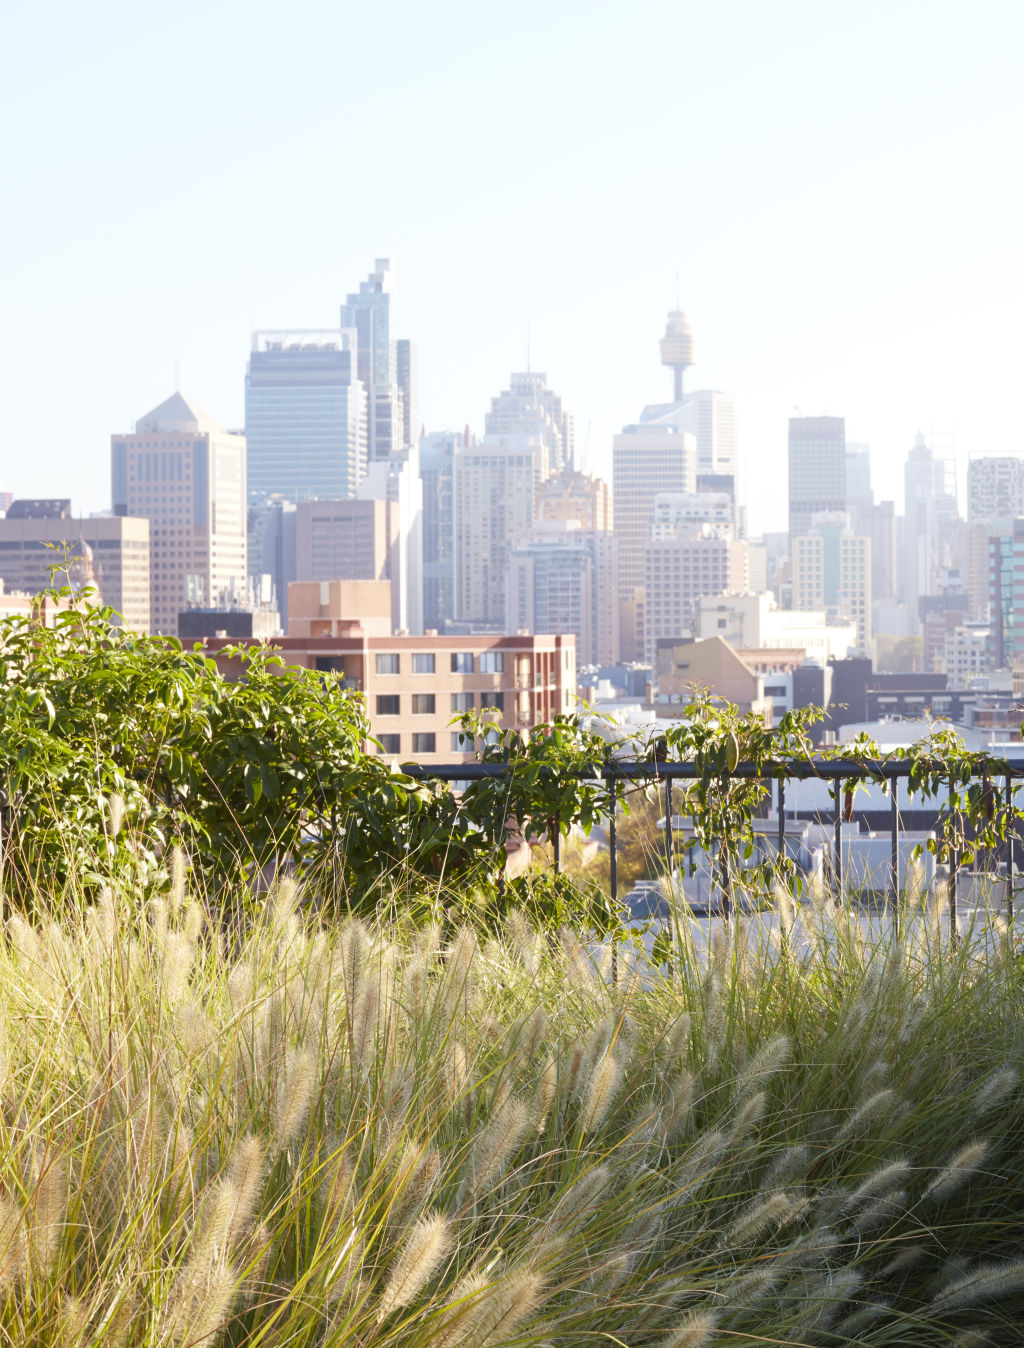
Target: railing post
{"points": [[1009, 851], [954, 924], [837, 848], [781, 808], [613, 860], [669, 857], [557, 845], [894, 841]]}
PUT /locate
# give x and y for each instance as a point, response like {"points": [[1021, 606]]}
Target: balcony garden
{"points": [[286, 1058]]}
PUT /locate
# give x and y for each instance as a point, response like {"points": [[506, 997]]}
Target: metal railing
{"points": [[837, 771]]}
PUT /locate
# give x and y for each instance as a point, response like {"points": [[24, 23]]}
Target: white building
{"points": [[967, 654], [397, 481], [495, 490], [680, 567], [755, 622], [671, 509]]}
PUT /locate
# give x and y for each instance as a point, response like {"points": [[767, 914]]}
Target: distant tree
{"points": [[898, 655]]}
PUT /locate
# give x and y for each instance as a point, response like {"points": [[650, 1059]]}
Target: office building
{"points": [[496, 484], [271, 551], [832, 571], [437, 474], [305, 416], [929, 523], [349, 540], [570, 495], [184, 473], [1006, 594], [563, 580], [108, 552], [646, 461], [817, 470], [397, 481], [682, 563], [529, 407], [386, 365], [995, 496]]}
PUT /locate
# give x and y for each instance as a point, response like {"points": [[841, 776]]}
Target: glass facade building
{"points": [[305, 416]]}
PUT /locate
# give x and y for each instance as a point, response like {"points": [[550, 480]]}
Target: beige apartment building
{"points": [[832, 571], [108, 552], [680, 569], [495, 497], [414, 686], [571, 495], [180, 470], [646, 461]]}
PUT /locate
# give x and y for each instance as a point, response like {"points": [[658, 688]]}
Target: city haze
{"points": [[830, 191]]}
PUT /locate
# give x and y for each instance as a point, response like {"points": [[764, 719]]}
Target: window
{"points": [[494, 701], [390, 744], [492, 662], [388, 704], [423, 743], [387, 664], [423, 662], [462, 702], [462, 662], [424, 704], [461, 744]]}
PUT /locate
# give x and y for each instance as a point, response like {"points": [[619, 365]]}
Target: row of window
{"points": [[425, 704], [425, 662], [425, 743]]}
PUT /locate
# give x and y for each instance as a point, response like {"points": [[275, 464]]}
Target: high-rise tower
{"points": [[817, 470], [386, 366], [529, 407], [677, 349], [305, 416], [184, 473]]}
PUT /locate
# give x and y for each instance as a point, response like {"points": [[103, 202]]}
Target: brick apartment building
{"points": [[414, 686]]}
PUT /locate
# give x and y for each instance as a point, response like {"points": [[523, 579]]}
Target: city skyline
{"points": [[839, 228]]}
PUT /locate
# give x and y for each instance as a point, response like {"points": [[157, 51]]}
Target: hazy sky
{"points": [[838, 187]]}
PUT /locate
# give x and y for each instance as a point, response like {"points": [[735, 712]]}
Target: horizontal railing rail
{"points": [[777, 771]]}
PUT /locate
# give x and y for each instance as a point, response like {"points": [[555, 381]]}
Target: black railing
{"points": [[838, 771]]}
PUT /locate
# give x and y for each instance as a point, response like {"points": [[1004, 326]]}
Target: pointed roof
{"points": [[177, 414]]}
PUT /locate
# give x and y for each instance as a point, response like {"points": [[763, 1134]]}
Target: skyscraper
{"points": [[563, 580], [832, 571], [995, 497], [496, 486], [529, 407], [930, 517], [184, 473], [305, 416], [437, 473], [817, 469], [386, 366]]}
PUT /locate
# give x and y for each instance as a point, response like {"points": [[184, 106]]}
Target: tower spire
{"points": [[677, 349]]}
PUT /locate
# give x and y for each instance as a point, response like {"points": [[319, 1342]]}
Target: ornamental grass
{"points": [[293, 1133]]}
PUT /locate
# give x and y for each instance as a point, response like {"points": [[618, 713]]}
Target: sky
{"points": [[833, 189]]}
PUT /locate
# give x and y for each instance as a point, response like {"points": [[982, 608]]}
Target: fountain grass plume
{"points": [[374, 1132]]}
